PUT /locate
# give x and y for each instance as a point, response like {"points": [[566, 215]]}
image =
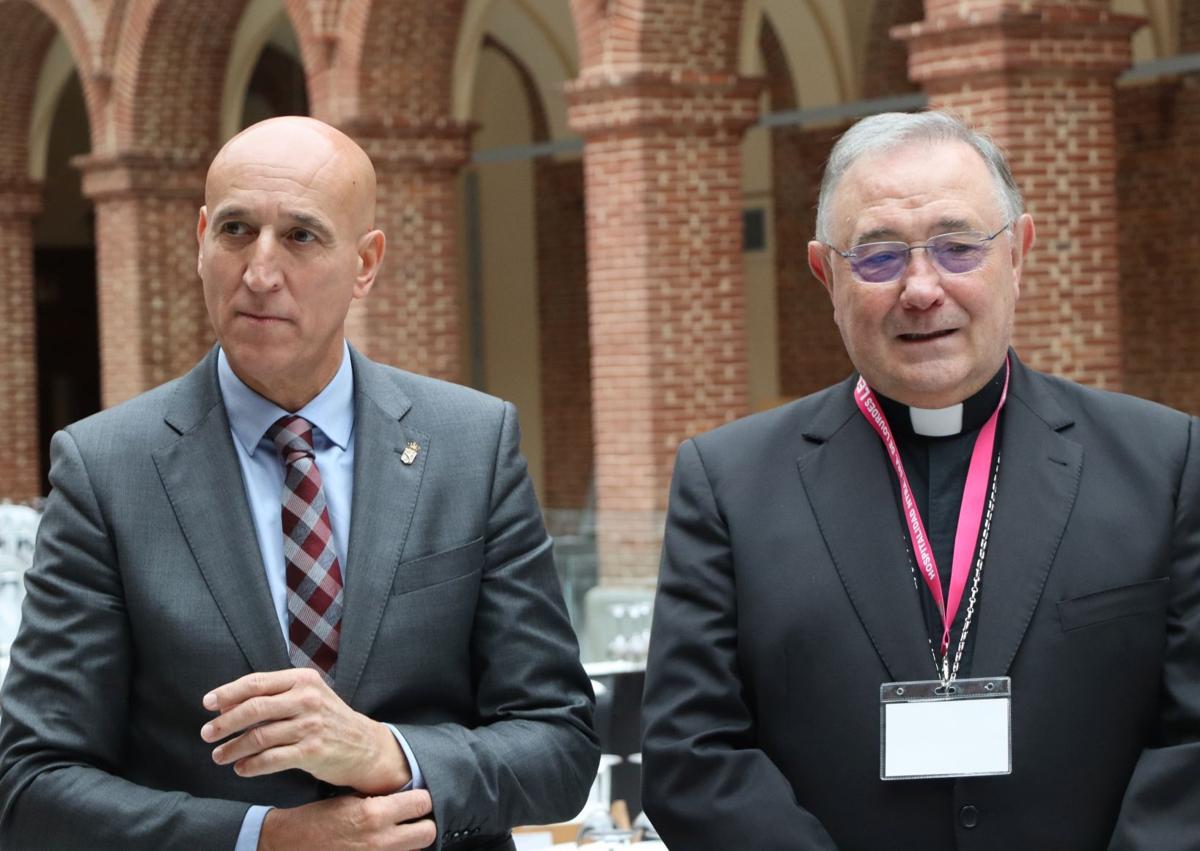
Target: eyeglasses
{"points": [[952, 253]]}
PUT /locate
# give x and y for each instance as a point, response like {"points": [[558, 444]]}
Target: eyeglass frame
{"points": [[850, 257]]}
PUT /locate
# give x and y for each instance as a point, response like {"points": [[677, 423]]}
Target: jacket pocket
{"points": [[434, 569], [1137, 599]]}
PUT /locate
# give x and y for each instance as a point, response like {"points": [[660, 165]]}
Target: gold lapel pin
{"points": [[410, 452]]}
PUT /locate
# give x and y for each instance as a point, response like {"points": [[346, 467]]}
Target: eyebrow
{"points": [[944, 225]]}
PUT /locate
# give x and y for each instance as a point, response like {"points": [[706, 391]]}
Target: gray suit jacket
{"points": [[785, 600], [148, 590]]}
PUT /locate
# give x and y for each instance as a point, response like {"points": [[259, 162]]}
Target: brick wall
{"points": [[683, 40], [663, 114], [411, 318], [394, 69], [1039, 77], [153, 323], [811, 354], [27, 35], [168, 75], [885, 66], [398, 60], [1158, 184], [565, 355], [20, 476]]}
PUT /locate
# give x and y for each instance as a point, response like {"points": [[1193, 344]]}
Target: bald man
{"points": [[293, 599]]}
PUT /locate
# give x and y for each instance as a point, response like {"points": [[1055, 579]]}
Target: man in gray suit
{"points": [[950, 602], [295, 598]]}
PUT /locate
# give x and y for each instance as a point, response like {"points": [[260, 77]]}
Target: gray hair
{"points": [[889, 130]]}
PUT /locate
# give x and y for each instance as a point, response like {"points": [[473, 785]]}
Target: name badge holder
{"points": [[928, 729], [946, 727]]}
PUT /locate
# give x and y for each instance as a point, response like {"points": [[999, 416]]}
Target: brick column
{"points": [[662, 169], [1039, 76], [153, 325], [412, 318], [565, 356], [20, 476]]}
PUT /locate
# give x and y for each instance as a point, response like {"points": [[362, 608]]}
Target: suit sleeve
{"points": [[705, 784], [65, 700], [1161, 808], [533, 755]]}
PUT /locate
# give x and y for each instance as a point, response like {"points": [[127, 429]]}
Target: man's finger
{"points": [[411, 836], [251, 712], [258, 683], [270, 761], [260, 738], [410, 805]]}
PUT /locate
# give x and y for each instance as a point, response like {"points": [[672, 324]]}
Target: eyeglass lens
{"points": [[954, 254]]}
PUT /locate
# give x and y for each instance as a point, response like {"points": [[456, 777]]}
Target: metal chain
{"points": [[983, 543], [940, 668]]}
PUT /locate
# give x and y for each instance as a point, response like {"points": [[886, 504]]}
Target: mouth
{"points": [[923, 337], [260, 318]]}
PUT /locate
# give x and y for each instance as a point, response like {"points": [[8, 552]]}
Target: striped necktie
{"points": [[314, 577]]}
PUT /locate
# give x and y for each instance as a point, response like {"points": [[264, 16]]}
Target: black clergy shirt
{"points": [[937, 473]]}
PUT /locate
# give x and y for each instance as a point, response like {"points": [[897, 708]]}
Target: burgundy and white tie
{"points": [[314, 577]]}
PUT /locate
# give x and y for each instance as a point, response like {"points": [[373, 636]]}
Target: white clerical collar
{"points": [[937, 422], [965, 416]]}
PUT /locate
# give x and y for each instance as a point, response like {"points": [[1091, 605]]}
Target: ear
{"points": [[370, 257], [201, 229], [1022, 241], [818, 262]]}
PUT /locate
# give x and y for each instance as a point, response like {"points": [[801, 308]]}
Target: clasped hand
{"points": [[291, 719]]}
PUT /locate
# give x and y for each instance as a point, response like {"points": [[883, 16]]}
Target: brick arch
{"points": [[591, 26], [529, 87], [395, 61], [30, 27], [315, 24], [781, 88], [168, 71], [28, 35], [885, 70], [28, 32], [687, 39]]}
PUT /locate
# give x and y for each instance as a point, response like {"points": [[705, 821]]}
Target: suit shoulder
{"points": [[433, 399], [1113, 410], [132, 421], [1117, 429], [781, 426]]}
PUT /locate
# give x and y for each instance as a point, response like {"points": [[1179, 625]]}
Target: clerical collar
{"points": [[967, 416]]}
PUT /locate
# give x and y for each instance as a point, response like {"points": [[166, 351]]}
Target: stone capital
{"points": [[607, 105], [391, 142], [1051, 38], [141, 174]]}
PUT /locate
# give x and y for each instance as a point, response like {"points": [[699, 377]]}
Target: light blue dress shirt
{"points": [[331, 413]]}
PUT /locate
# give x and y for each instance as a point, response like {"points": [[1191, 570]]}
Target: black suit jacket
{"points": [[147, 590], [785, 600]]}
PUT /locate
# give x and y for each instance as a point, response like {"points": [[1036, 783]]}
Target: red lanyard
{"points": [[970, 513]]}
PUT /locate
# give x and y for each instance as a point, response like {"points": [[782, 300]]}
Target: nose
{"points": [[922, 282], [262, 273]]}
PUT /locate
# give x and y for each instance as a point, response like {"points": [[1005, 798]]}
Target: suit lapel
{"points": [[385, 498], [202, 479], [846, 478], [1035, 493]]}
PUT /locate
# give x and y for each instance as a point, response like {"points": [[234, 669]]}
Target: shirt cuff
{"points": [[251, 828], [418, 779]]}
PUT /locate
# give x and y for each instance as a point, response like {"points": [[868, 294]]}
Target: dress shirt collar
{"points": [[967, 416], [250, 415]]}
